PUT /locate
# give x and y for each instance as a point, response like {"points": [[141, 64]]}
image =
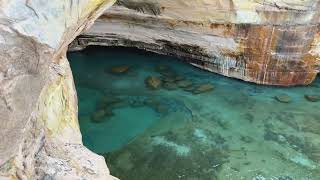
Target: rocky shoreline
{"points": [[275, 47]]}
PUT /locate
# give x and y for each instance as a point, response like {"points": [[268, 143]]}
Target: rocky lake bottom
{"points": [[154, 117]]}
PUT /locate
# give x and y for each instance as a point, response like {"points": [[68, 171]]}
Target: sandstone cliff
{"points": [[274, 42], [40, 137]]}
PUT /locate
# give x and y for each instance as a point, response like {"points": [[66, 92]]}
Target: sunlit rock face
{"points": [[40, 137], [274, 42]]}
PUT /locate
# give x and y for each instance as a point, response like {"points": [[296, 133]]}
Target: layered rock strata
{"points": [[272, 42], [40, 137]]}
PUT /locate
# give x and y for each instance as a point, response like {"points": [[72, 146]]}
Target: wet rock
{"points": [[312, 98], [153, 82], [203, 88], [283, 98], [120, 69], [170, 86], [184, 83]]}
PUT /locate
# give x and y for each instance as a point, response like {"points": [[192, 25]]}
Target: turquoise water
{"points": [[236, 131]]}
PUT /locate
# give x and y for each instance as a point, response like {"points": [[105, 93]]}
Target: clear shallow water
{"points": [[237, 131]]}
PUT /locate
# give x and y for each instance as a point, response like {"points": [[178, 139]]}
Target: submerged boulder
{"points": [[120, 69], [108, 100], [189, 89], [101, 115], [203, 88], [179, 78], [170, 86], [162, 68], [184, 83], [169, 79], [97, 116], [153, 82], [283, 98], [312, 98]]}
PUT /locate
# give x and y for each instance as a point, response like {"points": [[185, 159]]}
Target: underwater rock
{"points": [[136, 104], [180, 150], [162, 109], [184, 83], [189, 89], [124, 161], [283, 98], [203, 88], [259, 177], [302, 160], [223, 123], [179, 78], [285, 178], [98, 116], [101, 115], [170, 86], [312, 98], [312, 151], [153, 82], [169, 79], [108, 100], [162, 68], [120, 69], [165, 71], [168, 73], [246, 139]]}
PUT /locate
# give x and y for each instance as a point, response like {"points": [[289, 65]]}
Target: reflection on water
{"points": [[153, 117]]}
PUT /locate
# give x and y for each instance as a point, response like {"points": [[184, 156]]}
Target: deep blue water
{"points": [[236, 131]]}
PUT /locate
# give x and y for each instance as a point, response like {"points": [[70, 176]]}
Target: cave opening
{"points": [[154, 117]]}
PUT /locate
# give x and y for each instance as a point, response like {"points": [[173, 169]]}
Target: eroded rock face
{"points": [[274, 42], [39, 134]]}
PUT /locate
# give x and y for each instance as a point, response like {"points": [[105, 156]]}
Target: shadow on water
{"points": [[155, 117]]}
